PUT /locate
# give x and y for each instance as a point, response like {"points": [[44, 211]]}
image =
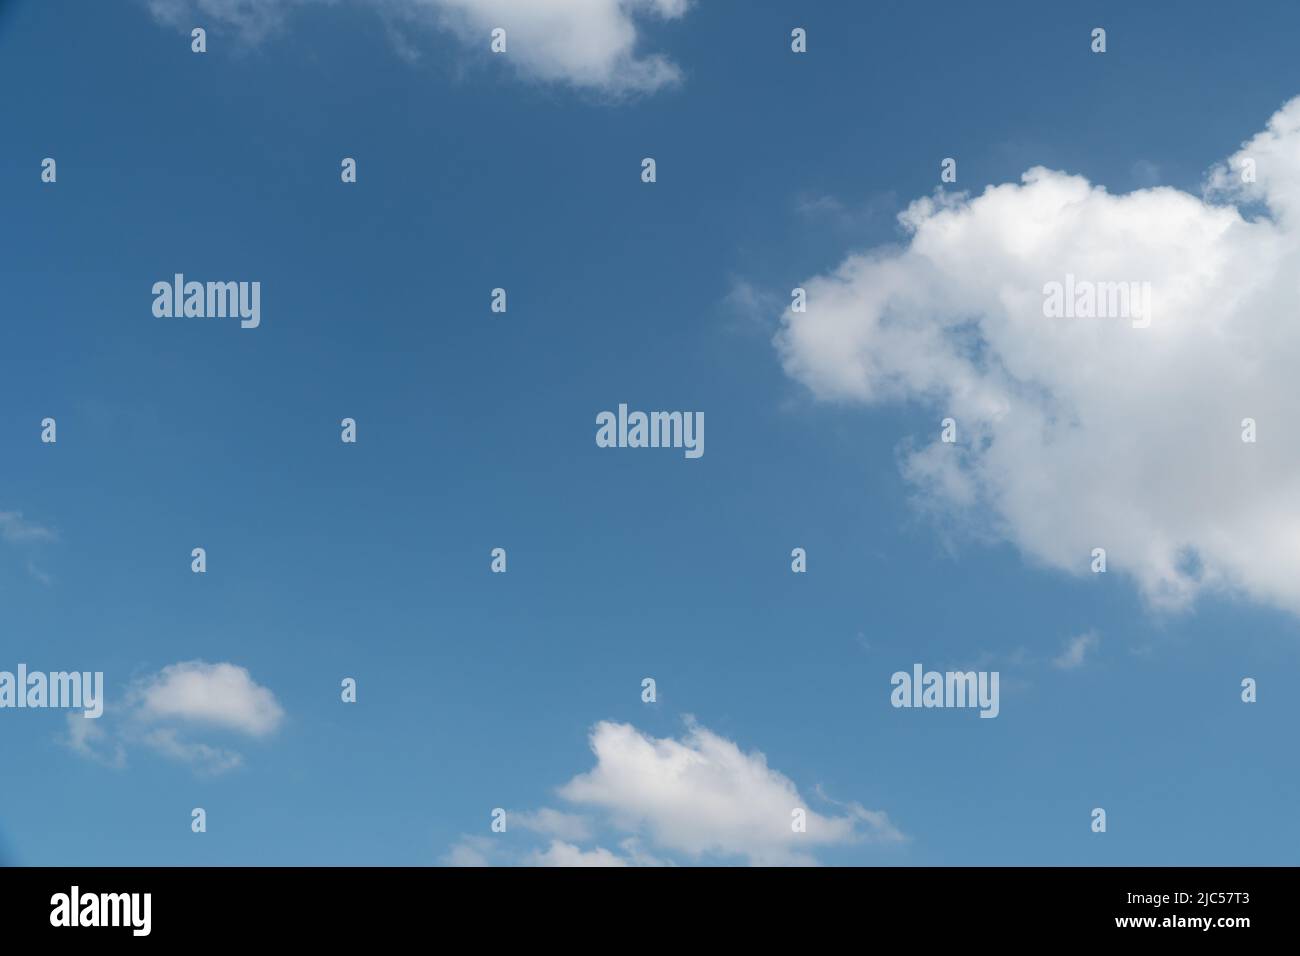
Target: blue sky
{"points": [[479, 690]]}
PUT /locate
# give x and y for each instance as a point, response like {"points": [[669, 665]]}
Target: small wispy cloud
{"points": [[87, 738], [1076, 650], [823, 210], [554, 823], [750, 309], [820, 205], [15, 528], [1146, 173], [204, 757], [39, 575]]}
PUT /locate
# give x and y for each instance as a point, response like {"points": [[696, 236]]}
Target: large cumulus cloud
{"points": [[1077, 433]]}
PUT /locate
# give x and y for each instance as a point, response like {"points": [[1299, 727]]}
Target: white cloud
{"points": [[470, 851], [553, 823], [222, 695], [88, 738], [636, 855], [585, 43], [590, 44], [204, 757], [476, 851], [560, 853], [253, 20], [1080, 433], [1076, 649], [165, 711], [702, 795]]}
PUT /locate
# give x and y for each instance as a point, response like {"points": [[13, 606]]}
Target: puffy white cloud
{"points": [[1271, 159], [560, 853], [702, 795], [223, 695], [586, 43], [1076, 649], [1079, 433], [164, 712], [592, 44]]}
